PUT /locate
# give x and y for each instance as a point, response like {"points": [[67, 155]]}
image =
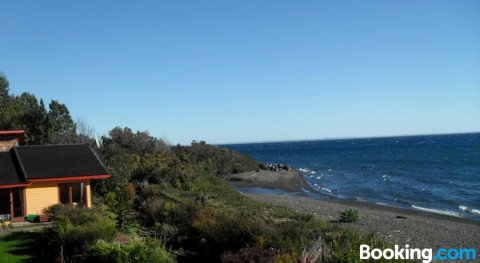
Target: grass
{"points": [[19, 247]]}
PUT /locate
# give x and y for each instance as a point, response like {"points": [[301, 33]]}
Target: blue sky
{"points": [[241, 71]]}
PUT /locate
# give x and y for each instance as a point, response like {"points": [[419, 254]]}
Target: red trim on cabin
{"points": [[56, 179], [20, 134], [14, 185], [12, 132], [72, 178]]}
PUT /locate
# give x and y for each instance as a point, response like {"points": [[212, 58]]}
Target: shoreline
{"points": [[407, 211], [394, 224], [293, 182]]}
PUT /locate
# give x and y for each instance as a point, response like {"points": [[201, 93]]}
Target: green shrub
{"points": [[75, 229], [342, 244], [56, 210], [217, 231], [349, 216], [131, 252], [249, 254], [121, 201]]}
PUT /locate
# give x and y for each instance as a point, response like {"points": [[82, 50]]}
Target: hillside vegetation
{"points": [[168, 203]]}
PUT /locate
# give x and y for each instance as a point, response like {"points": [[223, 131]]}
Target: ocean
{"points": [[438, 173]]}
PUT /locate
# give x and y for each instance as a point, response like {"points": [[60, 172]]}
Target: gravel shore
{"points": [[398, 226]]}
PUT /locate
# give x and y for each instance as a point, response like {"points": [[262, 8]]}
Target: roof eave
{"points": [[6, 186], [70, 178]]}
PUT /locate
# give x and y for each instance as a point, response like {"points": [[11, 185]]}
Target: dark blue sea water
{"points": [[438, 173]]}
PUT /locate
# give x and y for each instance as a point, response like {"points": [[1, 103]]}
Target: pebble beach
{"points": [[395, 225]]}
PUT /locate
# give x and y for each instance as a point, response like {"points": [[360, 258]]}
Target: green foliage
{"points": [[136, 156], [75, 229], [5, 102], [4, 86], [222, 161], [343, 244], [60, 126], [249, 254], [140, 142], [120, 202], [41, 126], [211, 218], [349, 215], [130, 252]]}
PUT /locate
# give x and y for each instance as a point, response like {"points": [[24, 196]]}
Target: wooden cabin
{"points": [[33, 178]]}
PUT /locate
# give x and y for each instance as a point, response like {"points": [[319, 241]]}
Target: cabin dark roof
{"points": [[48, 161], [51, 161], [9, 170]]}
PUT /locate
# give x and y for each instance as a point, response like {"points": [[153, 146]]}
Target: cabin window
{"points": [[73, 194]]}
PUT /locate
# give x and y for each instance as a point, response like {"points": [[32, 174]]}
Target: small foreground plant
{"points": [[349, 216]]}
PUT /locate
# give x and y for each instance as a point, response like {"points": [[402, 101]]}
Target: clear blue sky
{"points": [[237, 71]]}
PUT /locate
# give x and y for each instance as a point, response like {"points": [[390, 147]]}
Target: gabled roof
{"points": [[49, 161], [26, 164], [10, 172]]}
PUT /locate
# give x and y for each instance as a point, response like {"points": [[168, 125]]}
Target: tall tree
{"points": [[41, 126], [32, 118], [140, 142], [61, 127], [3, 87], [120, 202], [5, 100]]}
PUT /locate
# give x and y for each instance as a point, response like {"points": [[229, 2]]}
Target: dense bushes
{"points": [[223, 161], [75, 229], [89, 235], [343, 244], [249, 254], [136, 251], [212, 218]]}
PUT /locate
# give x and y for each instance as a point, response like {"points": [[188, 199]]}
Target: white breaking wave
{"points": [[437, 211], [471, 210], [326, 190], [313, 172], [319, 177]]}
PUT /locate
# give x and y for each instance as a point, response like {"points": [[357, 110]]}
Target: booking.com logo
{"points": [[425, 254]]}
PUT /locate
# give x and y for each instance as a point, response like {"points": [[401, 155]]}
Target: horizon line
{"points": [[347, 138]]}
